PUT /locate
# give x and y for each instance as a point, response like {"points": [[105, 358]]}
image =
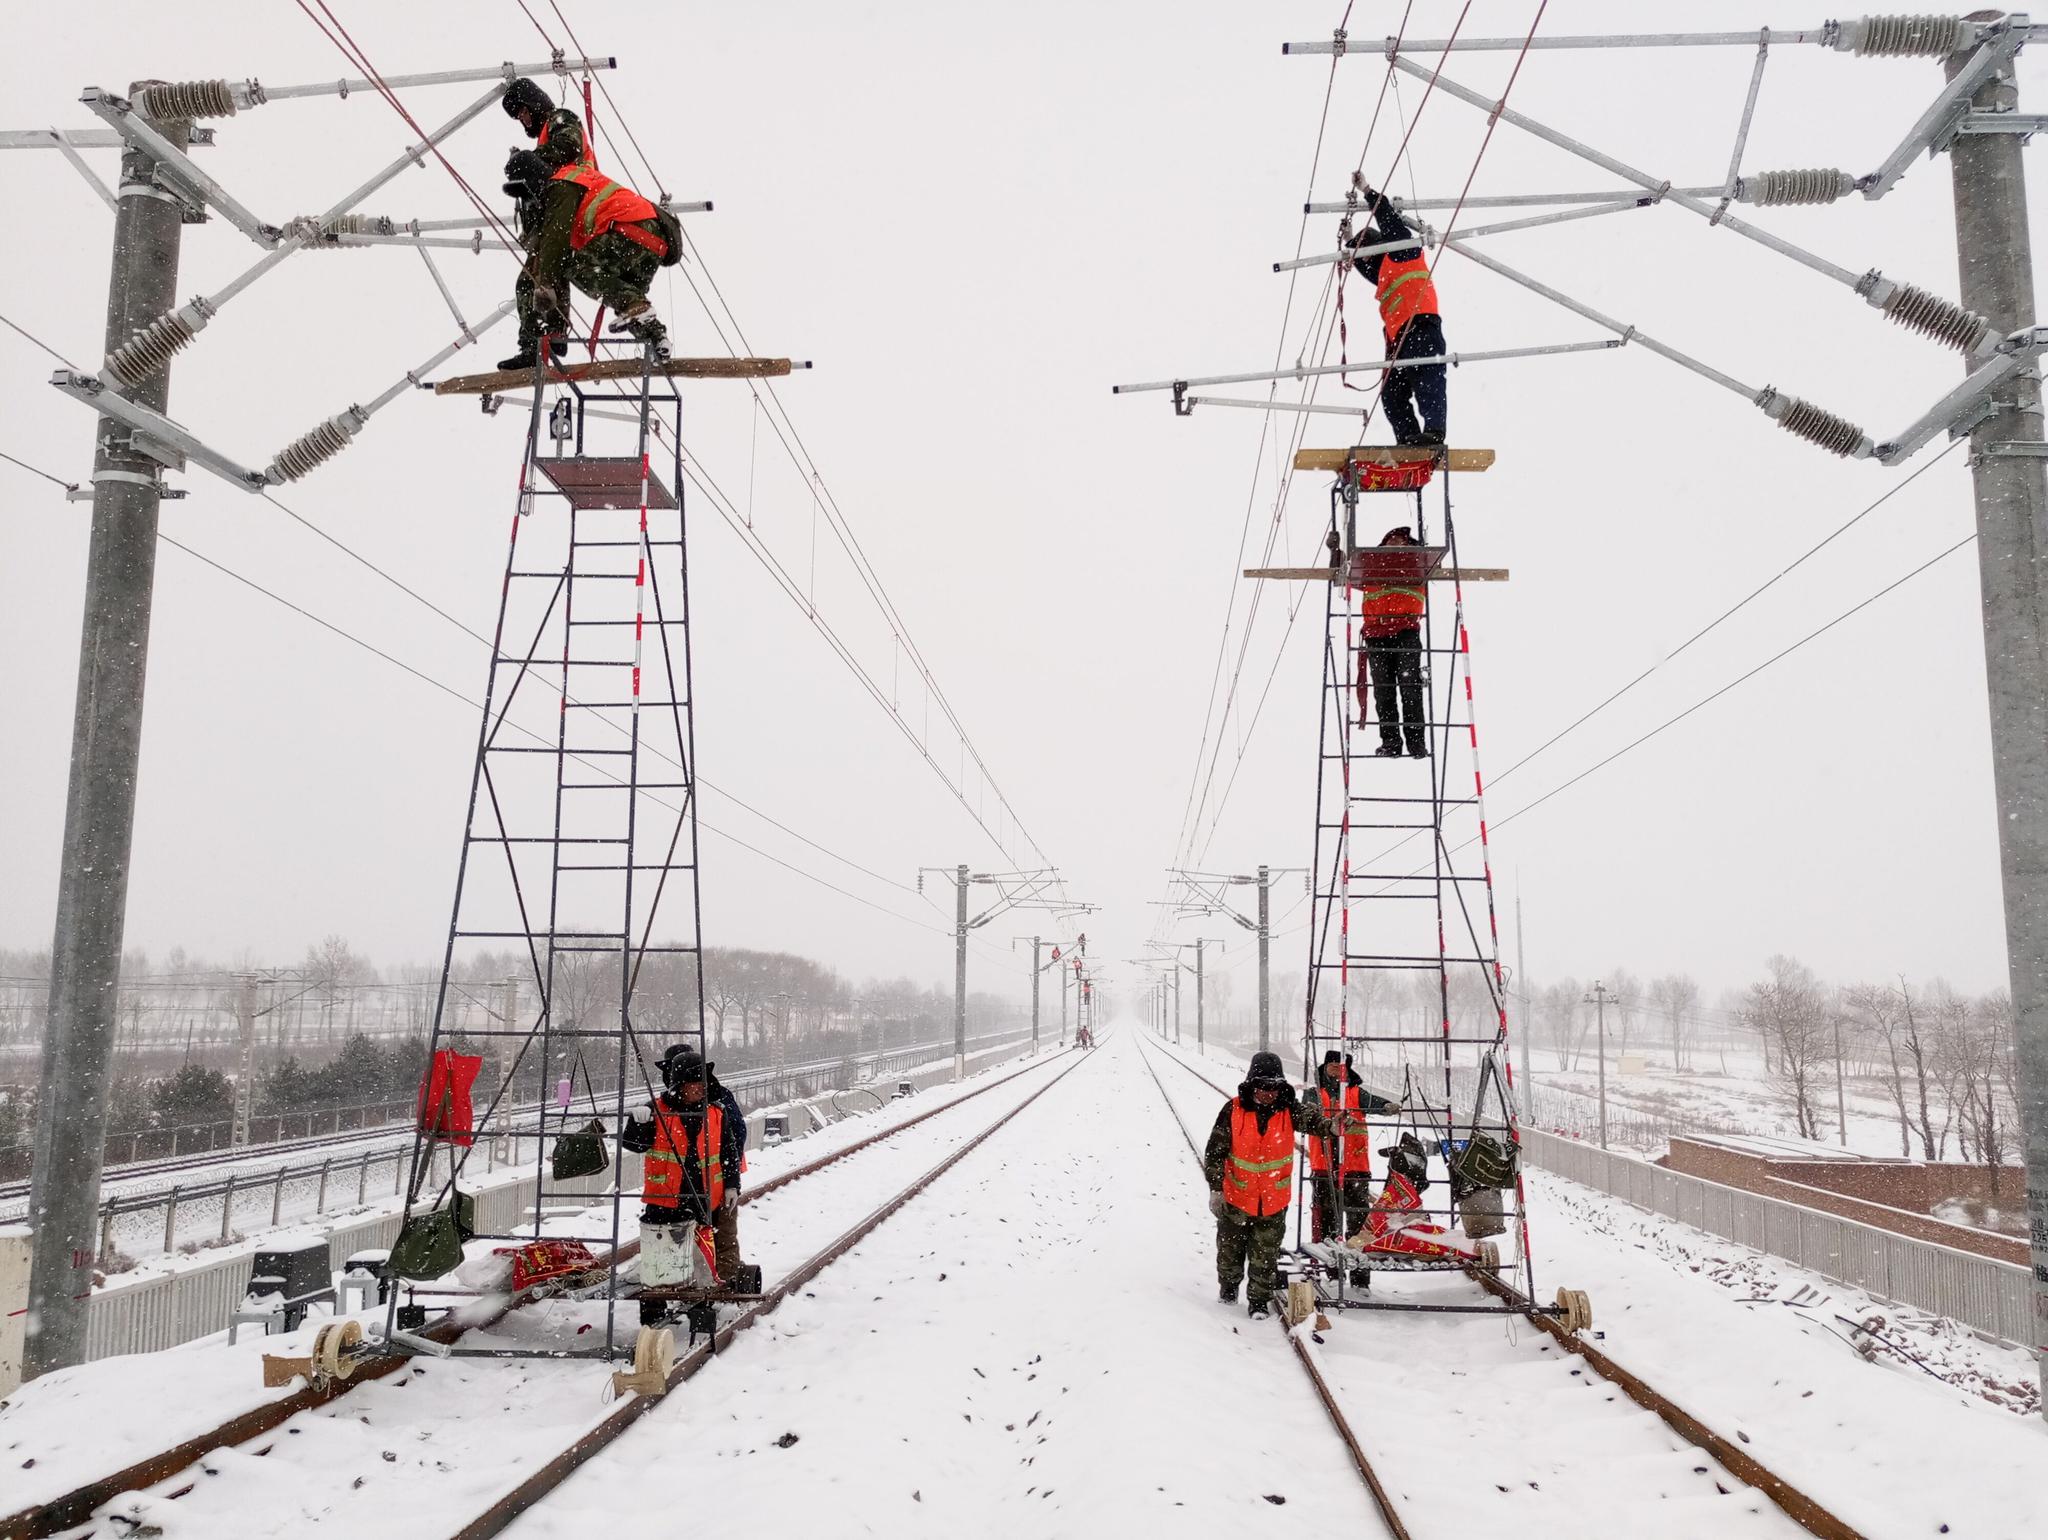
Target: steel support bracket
{"points": [[2025, 124], [174, 168], [159, 428], [2032, 449], [1963, 408], [1937, 127]]}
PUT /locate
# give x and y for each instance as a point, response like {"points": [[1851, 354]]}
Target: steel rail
{"points": [[76, 1506], [1339, 1423], [1803, 1510], [506, 1509]]}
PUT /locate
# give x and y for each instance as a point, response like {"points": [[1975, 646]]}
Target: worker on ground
{"points": [[1250, 1166], [581, 229], [557, 132], [1413, 325], [678, 1066], [1349, 1175], [1390, 658], [695, 1156]]}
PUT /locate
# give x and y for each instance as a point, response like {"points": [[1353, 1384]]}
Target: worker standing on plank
{"points": [[1349, 1175], [1250, 1166], [695, 1157], [1414, 327], [591, 232], [1390, 659]]}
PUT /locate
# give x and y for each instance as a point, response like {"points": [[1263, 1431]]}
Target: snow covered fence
{"points": [[1980, 1292], [161, 1312]]}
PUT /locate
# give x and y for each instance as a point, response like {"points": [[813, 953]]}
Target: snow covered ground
{"points": [[1033, 1348]]}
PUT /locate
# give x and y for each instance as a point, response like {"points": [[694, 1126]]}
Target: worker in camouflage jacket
{"points": [[1249, 1164]]}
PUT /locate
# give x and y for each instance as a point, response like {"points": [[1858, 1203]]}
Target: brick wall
{"points": [[1890, 1195]]}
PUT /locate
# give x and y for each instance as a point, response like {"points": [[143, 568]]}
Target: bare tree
{"points": [[1557, 1013], [1788, 1012], [1879, 1012], [1677, 996]]}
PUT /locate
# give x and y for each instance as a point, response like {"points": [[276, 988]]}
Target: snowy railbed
{"points": [[77, 1424]]}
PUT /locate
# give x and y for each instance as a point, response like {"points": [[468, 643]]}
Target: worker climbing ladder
{"points": [[1404, 978], [579, 859]]}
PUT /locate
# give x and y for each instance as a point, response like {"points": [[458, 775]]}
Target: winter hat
{"points": [[1402, 530], [524, 95], [1333, 1057], [525, 174], [682, 1063], [1266, 1069]]}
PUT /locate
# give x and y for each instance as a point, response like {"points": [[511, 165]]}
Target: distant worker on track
{"points": [[1413, 325], [1390, 658], [1250, 1166], [582, 229], [695, 1155], [1340, 1091]]}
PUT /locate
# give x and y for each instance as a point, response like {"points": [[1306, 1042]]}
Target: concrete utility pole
{"points": [[1995, 256], [99, 807], [960, 974], [245, 1074], [1598, 1000], [1265, 958]]}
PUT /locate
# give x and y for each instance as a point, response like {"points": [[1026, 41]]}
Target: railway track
{"points": [[1466, 1416], [182, 1470]]}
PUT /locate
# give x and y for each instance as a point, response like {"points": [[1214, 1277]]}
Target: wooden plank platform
{"points": [[500, 381], [1386, 454], [1327, 574]]}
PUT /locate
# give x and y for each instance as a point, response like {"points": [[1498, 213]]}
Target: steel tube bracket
{"points": [[1937, 126], [1960, 411], [159, 428], [175, 166]]}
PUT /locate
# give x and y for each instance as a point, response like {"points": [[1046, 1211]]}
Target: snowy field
{"points": [[1033, 1347]]}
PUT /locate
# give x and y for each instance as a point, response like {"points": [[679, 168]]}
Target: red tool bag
{"points": [[444, 1108], [539, 1261]]}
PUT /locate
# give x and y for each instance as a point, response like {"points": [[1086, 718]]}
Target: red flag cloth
{"points": [[444, 1108]]}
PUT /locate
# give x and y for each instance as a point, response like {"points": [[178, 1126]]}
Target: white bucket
{"points": [[669, 1257]]}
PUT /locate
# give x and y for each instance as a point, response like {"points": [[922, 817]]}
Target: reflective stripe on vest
{"points": [[608, 205], [1389, 599], [1356, 1154], [1405, 291], [1259, 1176], [662, 1179]]}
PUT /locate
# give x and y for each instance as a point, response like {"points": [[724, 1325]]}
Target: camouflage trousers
{"points": [[611, 270], [1242, 1241]]}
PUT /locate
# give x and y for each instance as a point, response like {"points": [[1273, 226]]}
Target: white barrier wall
{"points": [[1983, 1293]]}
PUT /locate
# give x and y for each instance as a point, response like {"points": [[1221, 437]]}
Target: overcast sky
{"points": [[975, 220]]}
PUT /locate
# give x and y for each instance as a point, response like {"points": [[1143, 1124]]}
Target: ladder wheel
{"points": [[654, 1355], [1300, 1303], [1577, 1308], [334, 1350], [1489, 1257]]}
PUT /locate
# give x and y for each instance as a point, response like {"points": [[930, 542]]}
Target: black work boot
{"points": [[528, 354], [1387, 751], [1259, 1308], [1418, 746], [1227, 1294]]}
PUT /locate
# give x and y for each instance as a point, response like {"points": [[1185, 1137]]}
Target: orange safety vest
{"points": [[609, 205], [1405, 291], [662, 1179], [1356, 1154], [584, 162], [1384, 600], [1259, 1176]]}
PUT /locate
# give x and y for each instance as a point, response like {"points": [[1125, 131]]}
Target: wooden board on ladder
{"points": [[1391, 455], [1336, 575], [499, 381]]}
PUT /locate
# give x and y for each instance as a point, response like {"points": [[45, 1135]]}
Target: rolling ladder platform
{"points": [[1404, 977]]}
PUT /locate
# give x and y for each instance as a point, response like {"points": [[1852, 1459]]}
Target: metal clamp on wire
{"points": [[1182, 407]]}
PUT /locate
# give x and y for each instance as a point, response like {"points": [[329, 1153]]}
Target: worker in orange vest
{"points": [[556, 132], [1412, 323], [1390, 658], [1349, 1175], [1250, 1166], [583, 229], [695, 1155]]}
